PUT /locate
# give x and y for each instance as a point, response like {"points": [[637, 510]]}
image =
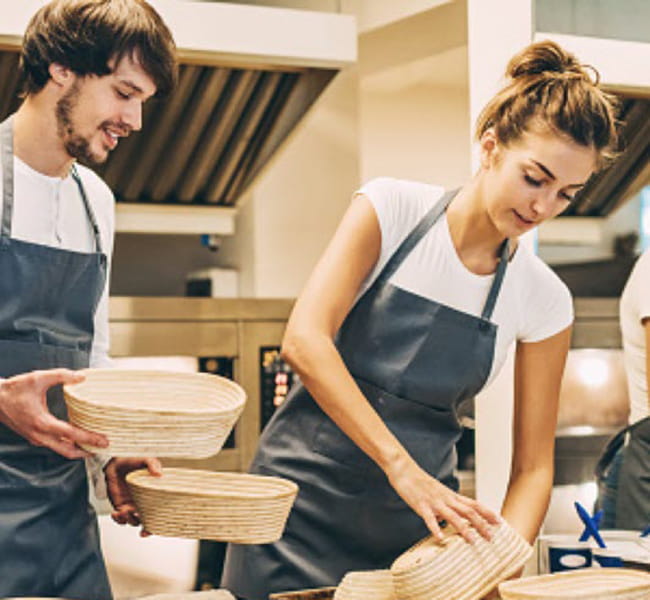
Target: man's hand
{"points": [[118, 492], [23, 408]]}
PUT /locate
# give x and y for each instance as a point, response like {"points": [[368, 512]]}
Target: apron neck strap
{"points": [[414, 237], [89, 208], [7, 159], [504, 257]]}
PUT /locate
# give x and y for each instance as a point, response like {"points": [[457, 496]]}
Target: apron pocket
{"points": [[331, 442]]}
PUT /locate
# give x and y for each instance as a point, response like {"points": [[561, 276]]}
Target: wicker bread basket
{"points": [[226, 507], [584, 584], [156, 413], [457, 569], [362, 585]]}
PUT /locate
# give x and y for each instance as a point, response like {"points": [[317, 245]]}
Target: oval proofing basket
{"points": [[156, 413], [592, 584], [456, 569], [226, 507]]}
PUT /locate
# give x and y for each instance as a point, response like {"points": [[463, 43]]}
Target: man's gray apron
{"points": [[633, 485], [416, 361], [49, 542]]}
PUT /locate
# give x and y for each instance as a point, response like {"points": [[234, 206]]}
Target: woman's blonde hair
{"points": [[548, 86]]}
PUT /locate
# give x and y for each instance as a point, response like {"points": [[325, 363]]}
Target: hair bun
{"points": [[545, 58], [548, 88]]}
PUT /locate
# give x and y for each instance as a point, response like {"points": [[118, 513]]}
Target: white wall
{"points": [[416, 133]]}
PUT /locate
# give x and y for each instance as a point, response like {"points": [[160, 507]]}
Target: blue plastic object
{"points": [[591, 526], [597, 518]]}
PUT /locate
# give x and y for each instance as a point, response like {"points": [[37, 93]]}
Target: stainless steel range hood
{"points": [[248, 75]]}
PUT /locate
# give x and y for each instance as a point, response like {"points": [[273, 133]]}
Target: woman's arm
{"points": [[309, 348], [538, 373]]}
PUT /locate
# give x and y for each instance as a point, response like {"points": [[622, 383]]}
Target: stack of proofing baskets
{"points": [[181, 415]]}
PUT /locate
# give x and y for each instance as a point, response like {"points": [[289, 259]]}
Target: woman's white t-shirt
{"points": [[533, 303], [634, 307]]}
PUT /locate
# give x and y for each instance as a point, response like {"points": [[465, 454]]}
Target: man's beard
{"points": [[75, 144]]}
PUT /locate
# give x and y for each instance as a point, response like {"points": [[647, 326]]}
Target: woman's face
{"points": [[532, 179]]}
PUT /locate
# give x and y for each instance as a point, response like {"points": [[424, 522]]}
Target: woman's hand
{"points": [[435, 502]]}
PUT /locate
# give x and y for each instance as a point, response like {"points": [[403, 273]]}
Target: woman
{"points": [[624, 470], [407, 316]]}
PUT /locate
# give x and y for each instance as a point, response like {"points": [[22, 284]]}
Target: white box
{"points": [[213, 283]]}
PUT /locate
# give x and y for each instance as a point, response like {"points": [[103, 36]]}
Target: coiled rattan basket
{"points": [[156, 413], [457, 569], [362, 585], [227, 507], [581, 584]]}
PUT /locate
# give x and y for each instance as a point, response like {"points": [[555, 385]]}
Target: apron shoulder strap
{"points": [[412, 239], [7, 160], [88, 207], [504, 257], [613, 446]]}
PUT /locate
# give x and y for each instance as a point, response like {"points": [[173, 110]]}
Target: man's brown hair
{"points": [[85, 35]]}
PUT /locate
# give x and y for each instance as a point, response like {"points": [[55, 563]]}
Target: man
{"points": [[87, 68]]}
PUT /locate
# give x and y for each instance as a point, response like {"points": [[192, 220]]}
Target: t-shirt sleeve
{"points": [[386, 198], [547, 307], [399, 205]]}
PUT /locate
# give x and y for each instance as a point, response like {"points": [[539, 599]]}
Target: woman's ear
{"points": [[489, 148]]}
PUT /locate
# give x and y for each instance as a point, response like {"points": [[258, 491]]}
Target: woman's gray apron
{"points": [[416, 361], [49, 542], [633, 481]]}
